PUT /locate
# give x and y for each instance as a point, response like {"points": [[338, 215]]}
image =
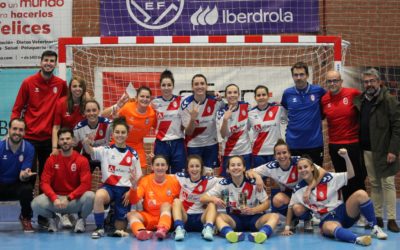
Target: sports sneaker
{"points": [[119, 233], [65, 221], [293, 224], [80, 226], [53, 224], [26, 224], [378, 233], [234, 237], [144, 235], [315, 220], [364, 240], [98, 233], [161, 233], [179, 233], [257, 237], [308, 226], [43, 222], [208, 233], [362, 222]]}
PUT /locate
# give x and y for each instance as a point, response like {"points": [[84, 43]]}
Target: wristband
{"points": [[287, 228]]}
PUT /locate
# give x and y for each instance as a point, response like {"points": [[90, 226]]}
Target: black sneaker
{"points": [[43, 222]]}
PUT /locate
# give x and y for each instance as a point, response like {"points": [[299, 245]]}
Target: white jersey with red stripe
{"points": [[248, 187], [205, 132], [324, 197], [102, 131], [237, 141], [267, 126], [287, 179], [116, 164], [169, 122], [191, 191]]}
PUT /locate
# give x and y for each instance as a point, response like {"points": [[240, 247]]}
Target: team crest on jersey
{"points": [[160, 115], [56, 166], [37, 90], [329, 105], [169, 192], [294, 99], [147, 121], [293, 176], [312, 97], [243, 112], [270, 113], [321, 195], [345, 101], [67, 114], [175, 104], [208, 110], [111, 168], [200, 188], [21, 158], [55, 90], [73, 167], [101, 133], [128, 159]]}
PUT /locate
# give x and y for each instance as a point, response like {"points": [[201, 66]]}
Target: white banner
{"points": [[28, 27]]}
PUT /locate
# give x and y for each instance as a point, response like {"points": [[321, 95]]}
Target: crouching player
{"points": [[118, 161], [245, 206], [158, 190], [336, 216], [188, 212]]}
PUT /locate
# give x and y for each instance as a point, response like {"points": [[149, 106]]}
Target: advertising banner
{"points": [[206, 17], [28, 27]]}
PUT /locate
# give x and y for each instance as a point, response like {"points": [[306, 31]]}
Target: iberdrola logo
{"points": [[204, 17]]}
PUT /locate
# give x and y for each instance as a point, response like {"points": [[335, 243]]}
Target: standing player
{"points": [[96, 128], [158, 190], [188, 212], [36, 103], [232, 121], [246, 206], [302, 102], [199, 113], [266, 120], [117, 163], [70, 109], [170, 137], [336, 216]]}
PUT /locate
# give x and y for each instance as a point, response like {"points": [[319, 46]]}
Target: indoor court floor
{"points": [[12, 237]]}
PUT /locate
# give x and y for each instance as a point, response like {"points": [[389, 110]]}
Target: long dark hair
{"points": [[82, 99]]}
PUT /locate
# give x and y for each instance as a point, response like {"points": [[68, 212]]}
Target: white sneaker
{"points": [[98, 233], [179, 233], [315, 221], [378, 233], [80, 226], [53, 224], [308, 226], [362, 222], [364, 240], [65, 221]]}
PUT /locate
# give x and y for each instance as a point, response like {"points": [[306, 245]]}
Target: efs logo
{"points": [[155, 15]]}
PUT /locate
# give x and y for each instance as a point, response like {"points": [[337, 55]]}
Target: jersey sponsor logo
{"points": [[345, 101], [160, 115], [73, 167], [111, 168], [257, 127], [4, 157], [20, 158], [234, 129], [55, 90]]}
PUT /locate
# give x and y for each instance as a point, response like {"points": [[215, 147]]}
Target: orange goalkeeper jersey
{"points": [[155, 194]]}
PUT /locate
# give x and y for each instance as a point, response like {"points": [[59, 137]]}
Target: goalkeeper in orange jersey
{"points": [[158, 190]]}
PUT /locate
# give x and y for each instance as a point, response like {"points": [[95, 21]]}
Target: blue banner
{"points": [[206, 17]]}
